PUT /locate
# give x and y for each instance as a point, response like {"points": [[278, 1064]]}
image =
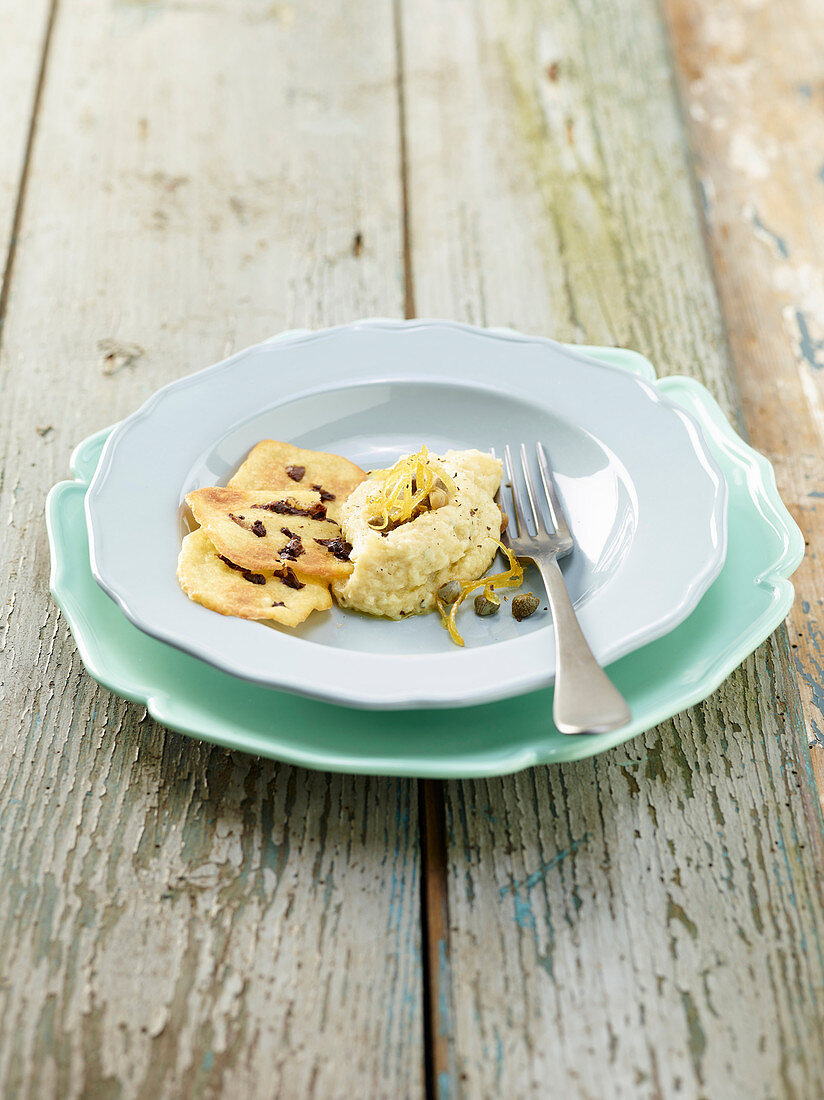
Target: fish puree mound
{"points": [[397, 572]]}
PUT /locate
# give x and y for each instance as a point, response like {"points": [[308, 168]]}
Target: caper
{"points": [[437, 498], [524, 606], [487, 605], [449, 592]]}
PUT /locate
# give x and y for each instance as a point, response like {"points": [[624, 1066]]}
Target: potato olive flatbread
{"points": [[275, 465], [262, 529], [221, 585]]}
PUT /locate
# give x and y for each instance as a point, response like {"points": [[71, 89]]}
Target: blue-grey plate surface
{"points": [[644, 497]]}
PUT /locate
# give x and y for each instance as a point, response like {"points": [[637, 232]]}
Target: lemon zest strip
{"points": [[395, 500], [510, 578]]}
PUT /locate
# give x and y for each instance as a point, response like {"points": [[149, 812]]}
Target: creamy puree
{"points": [[399, 573]]}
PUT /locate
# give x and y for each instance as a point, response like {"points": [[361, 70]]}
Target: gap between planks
{"points": [[434, 907], [438, 1047], [438, 1053], [168, 1038], [17, 216], [408, 280]]}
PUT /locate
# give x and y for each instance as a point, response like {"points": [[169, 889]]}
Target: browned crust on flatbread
{"points": [[272, 464], [213, 582], [263, 529]]}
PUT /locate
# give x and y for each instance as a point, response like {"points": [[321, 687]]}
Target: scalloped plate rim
{"points": [[481, 681], [166, 709]]}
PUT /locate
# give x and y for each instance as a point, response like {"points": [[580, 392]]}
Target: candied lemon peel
{"points": [[405, 487], [510, 578]]}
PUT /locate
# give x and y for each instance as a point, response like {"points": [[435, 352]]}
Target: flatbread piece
{"points": [[221, 585], [262, 529], [275, 465]]}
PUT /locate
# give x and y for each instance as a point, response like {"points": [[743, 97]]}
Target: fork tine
{"points": [[537, 517], [517, 506], [555, 509]]}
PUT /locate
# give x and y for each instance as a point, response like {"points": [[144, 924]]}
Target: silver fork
{"points": [[585, 699]]}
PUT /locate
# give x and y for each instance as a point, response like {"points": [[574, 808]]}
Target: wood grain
{"points": [[24, 31], [438, 1007], [648, 923], [181, 921], [178, 920], [752, 76]]}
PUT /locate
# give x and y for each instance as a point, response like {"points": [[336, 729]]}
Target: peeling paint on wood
{"points": [[753, 73], [178, 920], [185, 921], [654, 914], [650, 922]]}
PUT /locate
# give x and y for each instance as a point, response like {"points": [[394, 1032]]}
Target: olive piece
{"points": [[524, 606], [449, 592], [487, 605]]}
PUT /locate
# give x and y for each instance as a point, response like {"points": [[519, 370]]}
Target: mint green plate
{"points": [[743, 606]]}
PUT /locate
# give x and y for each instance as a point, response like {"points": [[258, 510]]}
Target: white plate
{"points": [[645, 500]]}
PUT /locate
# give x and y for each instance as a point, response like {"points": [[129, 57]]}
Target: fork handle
{"points": [[586, 701]]}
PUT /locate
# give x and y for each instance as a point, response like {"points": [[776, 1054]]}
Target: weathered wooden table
{"points": [[180, 178]]}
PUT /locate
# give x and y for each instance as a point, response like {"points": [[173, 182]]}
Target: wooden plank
{"points": [[178, 920], [649, 922], [440, 1060], [752, 77], [26, 25]]}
